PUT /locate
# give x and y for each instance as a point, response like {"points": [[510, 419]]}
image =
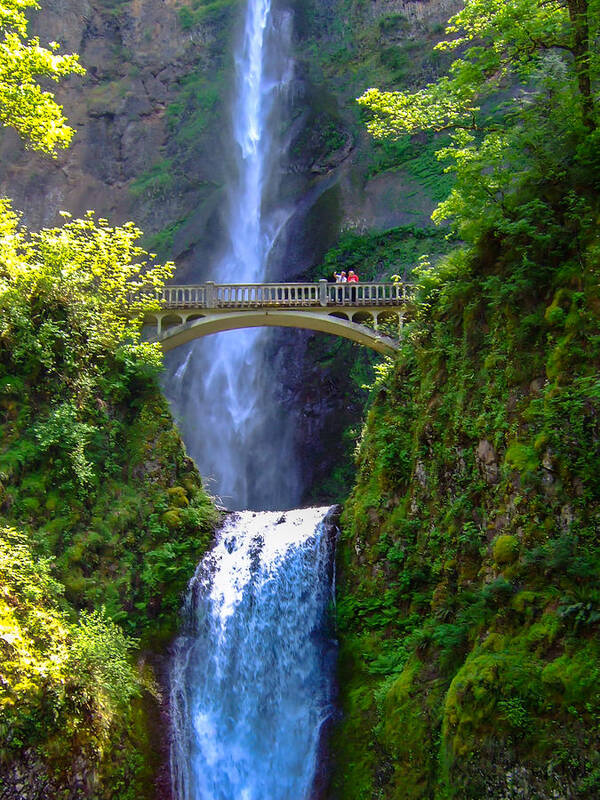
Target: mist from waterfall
{"points": [[252, 675], [223, 389]]}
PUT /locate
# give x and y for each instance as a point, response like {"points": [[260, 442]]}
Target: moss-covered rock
{"points": [[505, 549], [468, 610]]}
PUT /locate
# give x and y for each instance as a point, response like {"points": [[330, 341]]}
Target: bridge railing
{"points": [[259, 295], [366, 294], [182, 296], [240, 295]]}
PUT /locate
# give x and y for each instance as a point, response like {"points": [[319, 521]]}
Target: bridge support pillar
{"points": [[323, 292]]}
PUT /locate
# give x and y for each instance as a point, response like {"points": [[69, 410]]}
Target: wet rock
{"points": [[420, 474], [536, 385], [566, 517], [547, 469], [488, 460], [486, 453]]}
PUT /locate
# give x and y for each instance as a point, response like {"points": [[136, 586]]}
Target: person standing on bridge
{"points": [[352, 278], [340, 277]]}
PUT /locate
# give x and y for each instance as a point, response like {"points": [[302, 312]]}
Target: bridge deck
{"points": [[283, 295]]}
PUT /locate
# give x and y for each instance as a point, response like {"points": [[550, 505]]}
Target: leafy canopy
{"points": [[24, 105], [499, 39], [520, 103]]}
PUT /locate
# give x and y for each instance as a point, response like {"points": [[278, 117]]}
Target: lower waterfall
{"points": [[252, 673]]}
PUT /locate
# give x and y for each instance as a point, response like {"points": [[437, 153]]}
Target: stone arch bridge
{"points": [[353, 311]]}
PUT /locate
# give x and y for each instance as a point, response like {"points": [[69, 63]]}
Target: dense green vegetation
{"points": [[381, 255], [102, 516], [82, 417], [469, 607], [64, 682], [468, 604], [110, 513]]}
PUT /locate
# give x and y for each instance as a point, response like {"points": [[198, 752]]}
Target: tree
{"points": [[84, 264], [24, 105], [94, 272], [501, 39], [518, 101]]}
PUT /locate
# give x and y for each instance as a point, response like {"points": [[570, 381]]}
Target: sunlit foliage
{"points": [[519, 101], [85, 265], [54, 674], [24, 105]]}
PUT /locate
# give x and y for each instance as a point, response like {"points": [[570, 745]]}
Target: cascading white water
{"points": [[251, 677], [223, 390]]}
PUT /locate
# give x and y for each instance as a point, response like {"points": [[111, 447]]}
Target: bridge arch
{"points": [[182, 328]]}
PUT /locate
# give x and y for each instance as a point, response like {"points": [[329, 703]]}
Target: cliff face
{"points": [[135, 54], [151, 111]]}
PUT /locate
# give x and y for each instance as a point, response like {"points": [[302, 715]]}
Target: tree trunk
{"points": [[578, 13]]}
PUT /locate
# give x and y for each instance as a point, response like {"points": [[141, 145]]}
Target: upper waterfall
{"points": [[224, 393]]}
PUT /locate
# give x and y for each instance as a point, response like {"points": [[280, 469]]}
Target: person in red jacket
{"points": [[352, 278]]}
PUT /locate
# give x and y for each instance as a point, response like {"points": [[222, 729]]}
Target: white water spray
{"points": [[251, 678], [224, 394]]}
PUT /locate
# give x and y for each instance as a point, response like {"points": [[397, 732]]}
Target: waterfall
{"points": [[252, 672], [224, 394]]}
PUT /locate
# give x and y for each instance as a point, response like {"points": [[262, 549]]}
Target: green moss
{"points": [[157, 182], [214, 12], [178, 497], [172, 519], [405, 728], [505, 549], [573, 678], [522, 457]]}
